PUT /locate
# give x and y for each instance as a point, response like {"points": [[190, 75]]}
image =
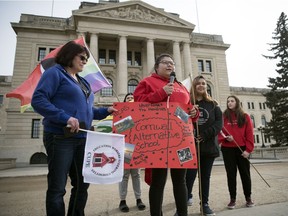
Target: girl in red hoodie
{"points": [[237, 142]]}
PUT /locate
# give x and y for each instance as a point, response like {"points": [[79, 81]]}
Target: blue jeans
{"points": [[206, 164], [65, 157]]}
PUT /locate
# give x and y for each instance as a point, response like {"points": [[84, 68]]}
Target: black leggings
{"points": [[233, 160], [159, 177]]}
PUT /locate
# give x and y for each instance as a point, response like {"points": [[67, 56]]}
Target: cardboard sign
{"points": [[156, 136]]}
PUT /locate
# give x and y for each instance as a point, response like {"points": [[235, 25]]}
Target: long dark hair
{"points": [[67, 53], [239, 112]]}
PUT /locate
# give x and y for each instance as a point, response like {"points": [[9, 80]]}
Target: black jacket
{"points": [[210, 123]]}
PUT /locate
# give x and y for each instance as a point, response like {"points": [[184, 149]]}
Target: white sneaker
{"points": [[189, 202]]}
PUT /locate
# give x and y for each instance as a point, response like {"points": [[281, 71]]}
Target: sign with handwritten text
{"points": [[156, 136]]}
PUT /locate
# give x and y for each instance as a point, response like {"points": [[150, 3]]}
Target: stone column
{"points": [[94, 46], [150, 56], [177, 59], [187, 59], [122, 74]]}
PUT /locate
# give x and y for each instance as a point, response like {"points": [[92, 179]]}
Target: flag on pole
{"points": [[104, 158], [187, 83], [92, 73], [94, 76]]}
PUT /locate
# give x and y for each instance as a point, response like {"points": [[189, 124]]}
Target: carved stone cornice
{"points": [[136, 13]]}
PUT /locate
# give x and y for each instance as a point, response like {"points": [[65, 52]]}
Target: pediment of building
{"points": [[134, 11]]}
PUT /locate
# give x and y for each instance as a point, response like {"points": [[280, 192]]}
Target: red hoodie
{"points": [[243, 136]]}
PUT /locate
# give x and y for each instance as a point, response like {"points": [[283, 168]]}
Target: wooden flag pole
{"points": [[198, 147]]}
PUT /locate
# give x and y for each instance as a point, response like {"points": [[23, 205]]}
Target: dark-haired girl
{"points": [[237, 142]]}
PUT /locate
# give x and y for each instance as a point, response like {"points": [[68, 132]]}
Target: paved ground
{"points": [[22, 193]]}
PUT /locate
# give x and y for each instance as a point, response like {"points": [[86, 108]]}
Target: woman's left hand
{"points": [[111, 109]]}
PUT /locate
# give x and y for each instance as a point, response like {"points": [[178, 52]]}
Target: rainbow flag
{"points": [[91, 73], [94, 76]]}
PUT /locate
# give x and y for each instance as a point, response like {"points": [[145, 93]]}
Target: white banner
{"points": [[104, 158]]}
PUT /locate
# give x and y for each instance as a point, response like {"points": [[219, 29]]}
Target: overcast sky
{"points": [[246, 25]]}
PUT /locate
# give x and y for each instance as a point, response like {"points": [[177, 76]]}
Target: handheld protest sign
{"points": [[156, 136]]}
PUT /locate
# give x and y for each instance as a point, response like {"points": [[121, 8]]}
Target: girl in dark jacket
{"points": [[209, 125]]}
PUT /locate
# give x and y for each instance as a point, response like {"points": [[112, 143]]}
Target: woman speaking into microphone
{"points": [[159, 87]]}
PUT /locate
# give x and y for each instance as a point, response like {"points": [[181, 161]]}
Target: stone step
{"points": [[7, 163]]}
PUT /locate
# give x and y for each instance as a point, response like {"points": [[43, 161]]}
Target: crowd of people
{"points": [[64, 98]]}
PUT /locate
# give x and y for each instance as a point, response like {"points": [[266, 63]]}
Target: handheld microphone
{"points": [[172, 77]]}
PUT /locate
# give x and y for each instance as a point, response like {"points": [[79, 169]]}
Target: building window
{"points": [[134, 58], [51, 49], [41, 53], [248, 103], [209, 91], [35, 128], [200, 66], [257, 138], [102, 56], [208, 66], [267, 139], [260, 106], [253, 120], [129, 58], [204, 66], [108, 91], [263, 121], [132, 84], [264, 106], [112, 56], [1, 100], [252, 105], [137, 61]]}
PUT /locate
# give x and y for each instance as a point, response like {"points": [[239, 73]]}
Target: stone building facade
{"points": [[124, 39]]}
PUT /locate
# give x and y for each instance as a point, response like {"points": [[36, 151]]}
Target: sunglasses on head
{"points": [[83, 58]]}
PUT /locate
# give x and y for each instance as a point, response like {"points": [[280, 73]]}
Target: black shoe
{"points": [[207, 211], [141, 206], [123, 207]]}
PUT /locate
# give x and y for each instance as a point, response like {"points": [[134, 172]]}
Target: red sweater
{"points": [[243, 136], [151, 90]]}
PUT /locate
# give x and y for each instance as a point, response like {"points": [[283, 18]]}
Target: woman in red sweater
{"points": [[153, 89], [237, 134]]}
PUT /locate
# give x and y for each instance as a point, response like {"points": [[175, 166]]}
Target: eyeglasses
{"points": [[167, 63], [83, 58]]}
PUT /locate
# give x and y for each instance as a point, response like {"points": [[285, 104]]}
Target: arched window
{"points": [[107, 92], [38, 158], [263, 121], [209, 91], [253, 120], [132, 84]]}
